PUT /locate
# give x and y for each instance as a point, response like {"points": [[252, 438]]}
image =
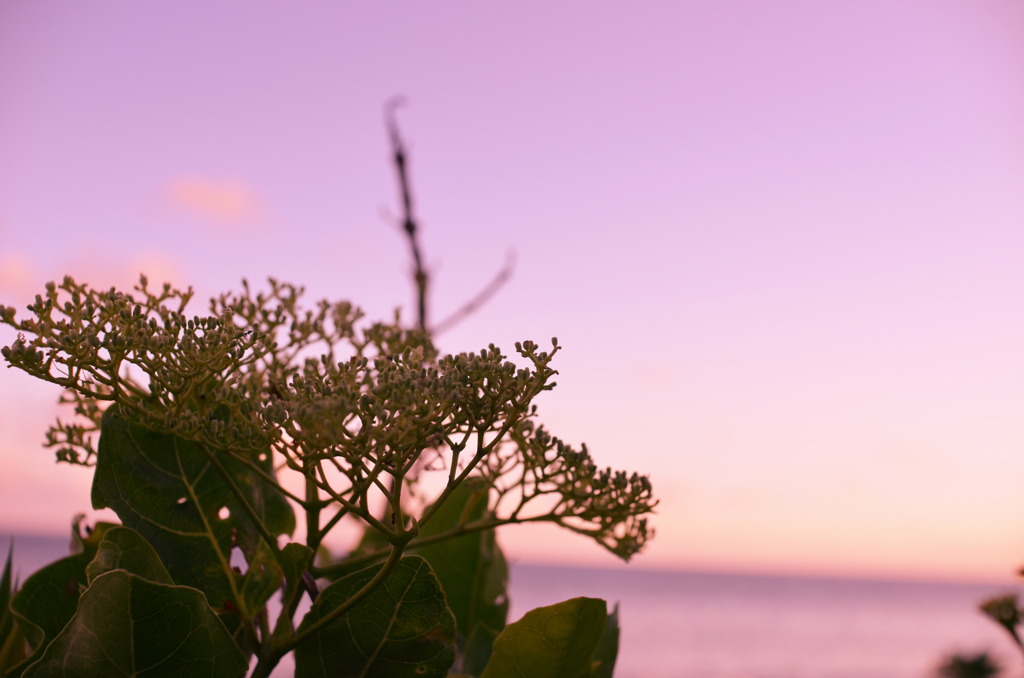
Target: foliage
{"points": [[1005, 611], [557, 641], [972, 666], [13, 646], [193, 425]]}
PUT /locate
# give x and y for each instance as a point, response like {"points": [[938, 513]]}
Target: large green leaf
{"points": [[556, 641], [123, 548], [48, 598], [401, 629], [128, 626], [471, 568], [168, 490]]}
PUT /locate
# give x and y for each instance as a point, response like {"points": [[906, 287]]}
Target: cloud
{"points": [[226, 203], [101, 271], [16, 273], [653, 376], [21, 278]]}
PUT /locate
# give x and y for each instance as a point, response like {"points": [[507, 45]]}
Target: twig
{"points": [[420, 275], [481, 298]]}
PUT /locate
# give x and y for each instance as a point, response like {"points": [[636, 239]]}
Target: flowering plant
{"points": [[209, 434]]}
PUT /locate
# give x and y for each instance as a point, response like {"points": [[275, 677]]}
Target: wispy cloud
{"points": [[224, 202], [101, 271], [16, 273], [21, 278]]}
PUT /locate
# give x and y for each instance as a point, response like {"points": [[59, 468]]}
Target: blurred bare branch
{"points": [[421, 277], [482, 297]]}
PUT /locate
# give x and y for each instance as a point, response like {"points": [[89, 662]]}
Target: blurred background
{"points": [[780, 242]]}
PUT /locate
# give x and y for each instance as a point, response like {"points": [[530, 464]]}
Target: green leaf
{"points": [[471, 567], [6, 590], [123, 548], [557, 641], [13, 651], [262, 579], [167, 489], [128, 626], [295, 560], [402, 628], [13, 645], [607, 650], [48, 598]]}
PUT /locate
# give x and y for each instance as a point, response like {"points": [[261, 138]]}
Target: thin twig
{"points": [[420, 275], [482, 297]]}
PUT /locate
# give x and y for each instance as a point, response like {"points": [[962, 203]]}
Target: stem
{"points": [[362, 509], [420, 275], [329, 525], [482, 451], [312, 504], [358, 562], [266, 665], [481, 298]]}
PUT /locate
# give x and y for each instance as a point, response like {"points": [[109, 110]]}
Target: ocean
{"points": [[705, 625], [694, 625]]}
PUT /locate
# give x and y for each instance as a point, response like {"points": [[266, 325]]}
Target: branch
{"points": [[409, 225], [481, 298], [420, 274]]}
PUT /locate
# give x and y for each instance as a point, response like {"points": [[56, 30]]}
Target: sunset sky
{"points": [[782, 243]]}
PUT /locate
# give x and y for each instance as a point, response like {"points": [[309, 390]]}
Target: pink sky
{"points": [[781, 242]]}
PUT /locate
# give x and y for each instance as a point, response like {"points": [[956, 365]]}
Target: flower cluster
{"points": [[175, 373], [538, 477], [359, 410]]}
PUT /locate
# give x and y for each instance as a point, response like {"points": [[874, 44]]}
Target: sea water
{"points": [[693, 625], [697, 625]]}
